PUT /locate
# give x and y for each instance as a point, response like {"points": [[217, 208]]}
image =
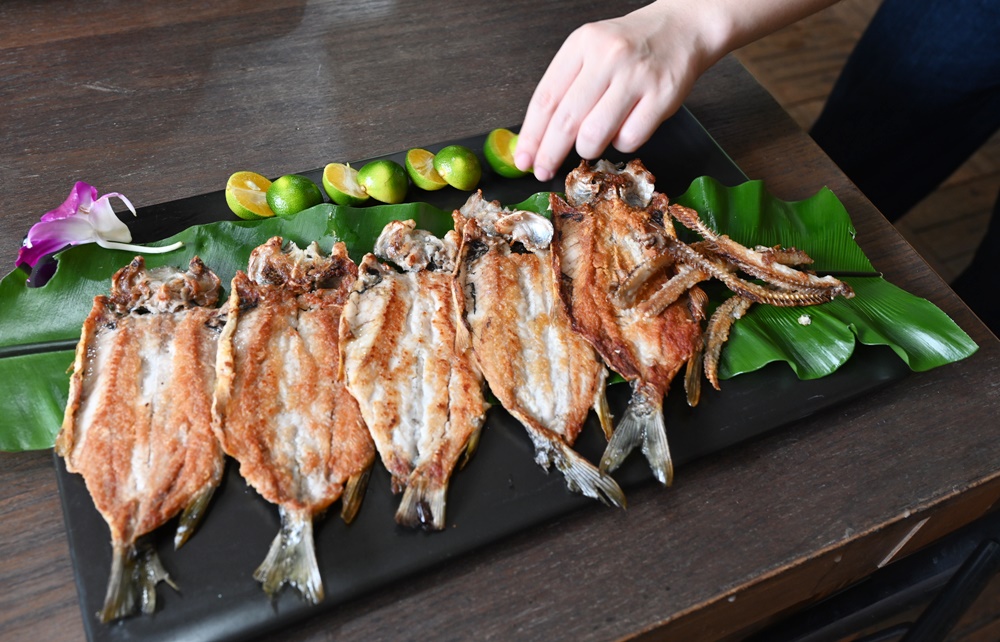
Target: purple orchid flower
{"points": [[83, 218]]}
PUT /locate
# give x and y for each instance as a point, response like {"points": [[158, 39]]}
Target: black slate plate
{"points": [[501, 492]]}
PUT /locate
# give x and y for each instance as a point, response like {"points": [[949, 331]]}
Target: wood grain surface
{"points": [[164, 100]]}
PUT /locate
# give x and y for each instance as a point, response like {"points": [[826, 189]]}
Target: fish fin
{"points": [[193, 513], [603, 411], [643, 425], [423, 503], [354, 493], [717, 333], [471, 446], [292, 559], [692, 375], [134, 576], [583, 477]]}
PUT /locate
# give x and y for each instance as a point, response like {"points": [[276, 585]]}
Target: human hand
{"points": [[614, 82]]}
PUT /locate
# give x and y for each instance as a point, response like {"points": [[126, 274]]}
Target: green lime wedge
{"points": [[420, 167], [459, 166], [499, 152], [341, 183], [246, 195], [384, 180]]}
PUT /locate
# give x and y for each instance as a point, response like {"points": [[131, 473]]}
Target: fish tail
{"points": [[642, 425], [354, 493], [583, 477], [193, 512], [134, 576], [292, 559], [423, 502]]}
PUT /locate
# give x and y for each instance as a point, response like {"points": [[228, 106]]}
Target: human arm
{"points": [[615, 81]]}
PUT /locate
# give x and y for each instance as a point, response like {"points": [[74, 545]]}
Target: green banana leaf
{"points": [[39, 327], [816, 340], [750, 215], [35, 392]]}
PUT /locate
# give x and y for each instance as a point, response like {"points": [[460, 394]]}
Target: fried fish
{"points": [[609, 247], [280, 409], [407, 360], [543, 372], [138, 423]]}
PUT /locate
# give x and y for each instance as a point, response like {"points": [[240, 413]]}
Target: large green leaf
{"points": [[35, 391], [750, 215], [879, 314], [40, 326], [818, 339]]}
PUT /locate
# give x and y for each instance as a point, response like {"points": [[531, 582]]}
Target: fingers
{"points": [[591, 116], [587, 115], [639, 125], [563, 127], [582, 100], [610, 83], [548, 96], [604, 121]]}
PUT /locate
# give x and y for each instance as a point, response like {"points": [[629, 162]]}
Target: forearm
{"points": [[717, 27], [750, 20]]}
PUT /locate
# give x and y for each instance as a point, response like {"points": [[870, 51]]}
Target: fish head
{"points": [[414, 250]]}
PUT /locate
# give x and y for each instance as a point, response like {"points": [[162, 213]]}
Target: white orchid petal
{"points": [[139, 249], [122, 198], [106, 223]]}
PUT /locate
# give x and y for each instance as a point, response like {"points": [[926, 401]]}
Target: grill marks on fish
{"points": [[280, 409], [407, 360], [541, 370], [609, 232], [137, 425]]}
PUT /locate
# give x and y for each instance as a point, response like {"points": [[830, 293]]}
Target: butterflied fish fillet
{"points": [[280, 410], [407, 360], [138, 423], [609, 231], [542, 371]]}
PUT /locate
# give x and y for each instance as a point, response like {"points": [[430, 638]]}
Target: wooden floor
{"points": [[799, 66]]}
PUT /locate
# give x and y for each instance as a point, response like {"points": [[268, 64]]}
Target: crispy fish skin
{"points": [[611, 229], [137, 424], [406, 358], [279, 408], [542, 371]]}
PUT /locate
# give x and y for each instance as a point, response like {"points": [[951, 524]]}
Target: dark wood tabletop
{"points": [[164, 100]]}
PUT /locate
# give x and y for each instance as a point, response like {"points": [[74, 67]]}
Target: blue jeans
{"points": [[919, 94]]}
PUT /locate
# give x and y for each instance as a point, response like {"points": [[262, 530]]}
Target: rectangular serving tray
{"points": [[501, 492]]}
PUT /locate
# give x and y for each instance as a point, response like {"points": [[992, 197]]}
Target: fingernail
{"points": [[543, 174]]}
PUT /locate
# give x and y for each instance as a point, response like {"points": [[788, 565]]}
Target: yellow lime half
{"points": [[342, 186], [459, 166], [293, 193], [499, 152], [246, 195], [420, 167], [384, 180]]}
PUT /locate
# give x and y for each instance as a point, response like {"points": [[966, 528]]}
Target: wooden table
{"points": [[159, 102]]}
